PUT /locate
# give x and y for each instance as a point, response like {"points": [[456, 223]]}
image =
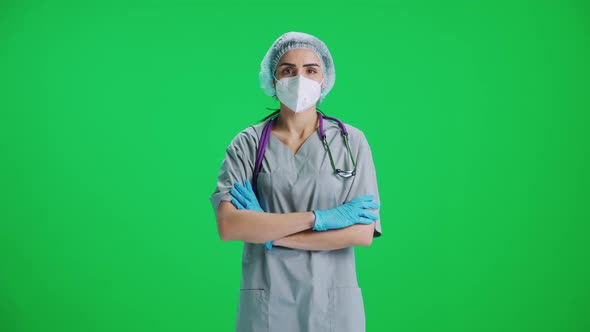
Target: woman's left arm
{"points": [[355, 235]]}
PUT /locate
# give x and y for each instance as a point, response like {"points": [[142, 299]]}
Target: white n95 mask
{"points": [[298, 92]]}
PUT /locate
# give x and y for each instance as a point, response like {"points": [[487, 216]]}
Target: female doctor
{"points": [[302, 205]]}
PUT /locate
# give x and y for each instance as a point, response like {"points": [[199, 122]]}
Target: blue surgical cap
{"points": [[287, 42]]}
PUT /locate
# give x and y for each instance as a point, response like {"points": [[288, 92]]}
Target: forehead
{"points": [[300, 56]]}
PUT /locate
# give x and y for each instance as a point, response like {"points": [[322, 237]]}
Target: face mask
{"points": [[298, 92]]}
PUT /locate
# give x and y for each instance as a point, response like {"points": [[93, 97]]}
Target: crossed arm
{"points": [[292, 230]]}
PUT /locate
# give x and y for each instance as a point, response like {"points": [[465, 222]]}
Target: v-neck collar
{"points": [[301, 147]]}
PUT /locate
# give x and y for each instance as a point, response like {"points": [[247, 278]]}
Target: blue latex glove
{"points": [[347, 214], [244, 198]]}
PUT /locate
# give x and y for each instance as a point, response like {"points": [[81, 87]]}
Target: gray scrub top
{"points": [[286, 289]]}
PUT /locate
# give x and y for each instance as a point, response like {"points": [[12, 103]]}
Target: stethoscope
{"points": [[266, 136]]}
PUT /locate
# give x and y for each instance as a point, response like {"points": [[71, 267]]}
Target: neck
{"points": [[297, 124]]}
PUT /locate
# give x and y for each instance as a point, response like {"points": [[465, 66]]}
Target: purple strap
{"points": [[260, 154]]}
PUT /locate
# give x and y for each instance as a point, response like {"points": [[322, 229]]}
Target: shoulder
{"points": [[248, 137], [353, 131], [358, 140], [355, 134]]}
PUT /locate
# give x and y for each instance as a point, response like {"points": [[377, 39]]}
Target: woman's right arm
{"points": [[259, 227]]}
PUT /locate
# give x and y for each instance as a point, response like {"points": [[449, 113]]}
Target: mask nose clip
{"points": [[276, 79]]}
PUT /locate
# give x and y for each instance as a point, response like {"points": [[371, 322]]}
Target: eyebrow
{"points": [[292, 65]]}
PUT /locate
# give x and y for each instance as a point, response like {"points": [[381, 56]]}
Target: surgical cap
{"points": [[287, 42]]}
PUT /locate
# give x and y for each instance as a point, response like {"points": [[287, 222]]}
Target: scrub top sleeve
{"points": [[365, 180], [237, 166]]}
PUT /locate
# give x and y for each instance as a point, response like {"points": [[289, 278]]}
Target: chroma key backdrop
{"points": [[115, 117]]}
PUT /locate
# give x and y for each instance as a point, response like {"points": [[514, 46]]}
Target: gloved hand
{"points": [[347, 214], [244, 198]]}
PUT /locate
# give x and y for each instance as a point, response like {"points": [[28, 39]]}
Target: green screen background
{"points": [[115, 117]]}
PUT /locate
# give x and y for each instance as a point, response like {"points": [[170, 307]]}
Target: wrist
{"points": [[312, 219], [317, 224]]}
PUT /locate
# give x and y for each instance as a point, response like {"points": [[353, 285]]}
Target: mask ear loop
{"points": [[275, 85]]}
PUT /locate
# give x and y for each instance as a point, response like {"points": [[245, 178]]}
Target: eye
{"points": [[287, 71], [313, 71]]}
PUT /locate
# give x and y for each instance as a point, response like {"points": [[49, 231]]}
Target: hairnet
{"points": [[287, 42]]}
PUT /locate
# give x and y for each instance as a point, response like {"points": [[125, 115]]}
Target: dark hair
{"points": [[277, 111]]}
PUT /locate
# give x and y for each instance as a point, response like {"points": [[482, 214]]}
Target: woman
{"points": [[299, 231]]}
